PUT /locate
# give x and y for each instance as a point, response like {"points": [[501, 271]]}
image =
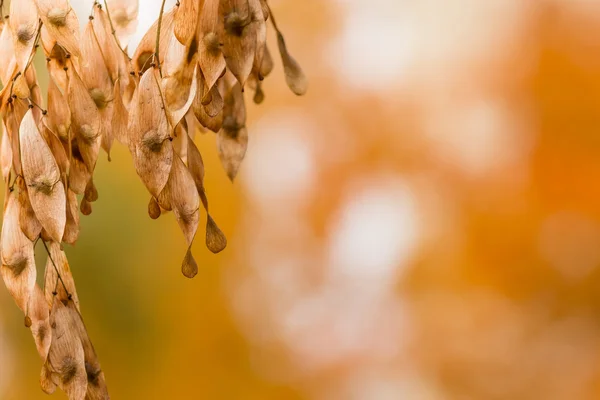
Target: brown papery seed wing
{"points": [[215, 239], [94, 71], [58, 151], [152, 150], [214, 123], [8, 61], [179, 79], [189, 267], [60, 20], [211, 58], [39, 314], [124, 15], [23, 23], [143, 54], [294, 76], [186, 20], [195, 164], [30, 225], [59, 115], [85, 119], [42, 177], [232, 146], [72, 226], [66, 356], [96, 384], [244, 25], [184, 198], [120, 117], [107, 43], [18, 263], [5, 154]]}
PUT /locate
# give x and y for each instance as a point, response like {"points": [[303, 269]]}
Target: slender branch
{"points": [[114, 31], [35, 45], [156, 50], [56, 269], [37, 105]]}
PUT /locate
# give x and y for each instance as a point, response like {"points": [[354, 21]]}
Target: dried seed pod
{"points": [[85, 119], [42, 176], [183, 197], [267, 64], [18, 262], [214, 122], [244, 23], [153, 208], [97, 78], [61, 23], [215, 239], [124, 15], [189, 267], [211, 58], [94, 71], [142, 58], [39, 322], [85, 207], [48, 379], [186, 19], [79, 175], [23, 23], [12, 120], [72, 226], [58, 151], [108, 47], [294, 76], [59, 114], [29, 223], [66, 356], [120, 117], [232, 140], [5, 154], [232, 145], [179, 78], [8, 61], [91, 193], [151, 148]]}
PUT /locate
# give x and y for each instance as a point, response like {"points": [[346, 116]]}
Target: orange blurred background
{"points": [[423, 225]]}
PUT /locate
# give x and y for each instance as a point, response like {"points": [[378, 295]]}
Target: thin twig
{"points": [[56, 269], [114, 32], [35, 45], [156, 50]]}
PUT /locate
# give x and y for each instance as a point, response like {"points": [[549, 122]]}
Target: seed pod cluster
{"points": [[187, 75]]}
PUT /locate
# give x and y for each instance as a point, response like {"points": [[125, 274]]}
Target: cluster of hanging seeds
{"points": [[187, 75]]}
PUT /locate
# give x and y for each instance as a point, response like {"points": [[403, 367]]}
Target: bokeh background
{"points": [[423, 225]]}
